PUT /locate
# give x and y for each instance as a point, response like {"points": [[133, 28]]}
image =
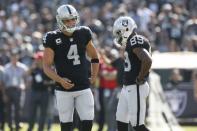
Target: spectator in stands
{"points": [[116, 60], [15, 82], [175, 79], [39, 93], [108, 84], [51, 105], [2, 99], [175, 33], [191, 43]]}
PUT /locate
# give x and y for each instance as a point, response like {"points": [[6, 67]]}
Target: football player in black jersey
{"points": [[66, 48], [137, 52]]}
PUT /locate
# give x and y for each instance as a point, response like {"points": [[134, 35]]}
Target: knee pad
{"points": [[66, 126], [141, 128]]}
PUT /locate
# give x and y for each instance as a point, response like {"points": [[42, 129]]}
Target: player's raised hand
{"points": [[66, 83]]}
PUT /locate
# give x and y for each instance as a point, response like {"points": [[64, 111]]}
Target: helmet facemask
{"points": [[121, 37]]}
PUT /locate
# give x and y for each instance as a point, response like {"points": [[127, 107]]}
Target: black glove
{"points": [[140, 81]]}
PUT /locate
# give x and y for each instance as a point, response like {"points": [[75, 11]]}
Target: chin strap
{"points": [[125, 37], [124, 41]]}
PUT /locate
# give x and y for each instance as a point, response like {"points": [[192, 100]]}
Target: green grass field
{"points": [[190, 128], [56, 127]]}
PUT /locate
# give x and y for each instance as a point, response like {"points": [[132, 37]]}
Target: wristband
{"points": [[95, 60]]}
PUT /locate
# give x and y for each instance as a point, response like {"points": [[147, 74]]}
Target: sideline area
{"points": [[55, 127]]}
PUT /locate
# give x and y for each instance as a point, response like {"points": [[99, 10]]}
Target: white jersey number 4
{"points": [[73, 54]]}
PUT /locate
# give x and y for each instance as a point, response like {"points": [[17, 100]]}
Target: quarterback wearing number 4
{"points": [[66, 48], [132, 102]]}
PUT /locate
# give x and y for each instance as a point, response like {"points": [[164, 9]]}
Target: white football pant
{"points": [[81, 100], [131, 109]]}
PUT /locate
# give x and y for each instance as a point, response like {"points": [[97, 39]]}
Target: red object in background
{"points": [[107, 84], [38, 55]]}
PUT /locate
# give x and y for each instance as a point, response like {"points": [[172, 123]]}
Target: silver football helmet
{"points": [[67, 12], [123, 27]]}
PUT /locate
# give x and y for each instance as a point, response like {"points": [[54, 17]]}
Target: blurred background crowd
{"points": [[170, 25]]}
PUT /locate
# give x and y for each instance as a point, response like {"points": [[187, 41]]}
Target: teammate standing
{"points": [[132, 102]]}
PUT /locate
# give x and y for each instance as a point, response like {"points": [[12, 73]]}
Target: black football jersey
{"points": [[132, 63], [70, 56]]}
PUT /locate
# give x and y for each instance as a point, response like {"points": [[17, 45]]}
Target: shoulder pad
{"points": [[48, 34], [84, 27]]}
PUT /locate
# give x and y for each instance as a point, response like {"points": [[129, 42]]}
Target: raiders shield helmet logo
{"points": [[177, 100], [125, 23]]}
